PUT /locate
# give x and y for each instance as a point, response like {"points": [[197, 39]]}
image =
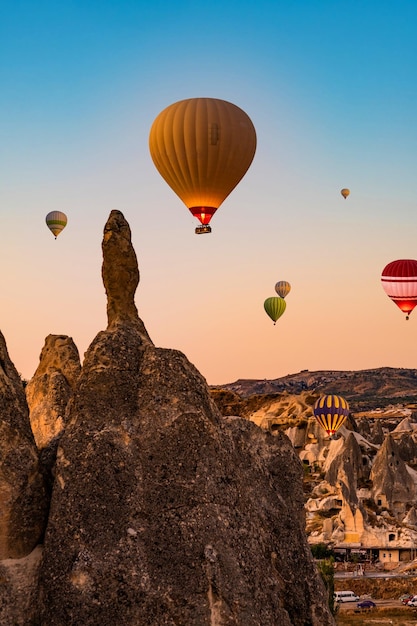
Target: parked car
{"points": [[366, 604], [406, 597], [412, 602]]}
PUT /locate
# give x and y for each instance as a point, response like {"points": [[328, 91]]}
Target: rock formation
{"points": [[406, 425], [411, 518], [23, 501], [22, 490], [393, 486], [377, 434], [338, 492], [19, 589], [162, 511], [346, 468], [120, 274], [51, 388], [343, 471]]}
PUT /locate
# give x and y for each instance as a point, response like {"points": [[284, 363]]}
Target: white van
{"points": [[345, 596]]}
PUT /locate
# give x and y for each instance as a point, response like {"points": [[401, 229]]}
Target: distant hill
{"points": [[364, 389]]}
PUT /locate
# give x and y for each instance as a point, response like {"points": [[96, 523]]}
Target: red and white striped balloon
{"points": [[399, 281]]}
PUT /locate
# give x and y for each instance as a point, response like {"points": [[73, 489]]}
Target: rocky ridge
{"points": [[364, 389]]}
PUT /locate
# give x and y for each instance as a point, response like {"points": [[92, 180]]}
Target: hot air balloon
{"points": [[331, 411], [274, 307], [345, 193], [283, 288], [56, 222], [202, 147], [399, 280]]}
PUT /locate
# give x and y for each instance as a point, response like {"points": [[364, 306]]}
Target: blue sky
{"points": [[330, 87]]}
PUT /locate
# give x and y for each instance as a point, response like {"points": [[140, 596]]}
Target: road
{"points": [[369, 574], [392, 603]]}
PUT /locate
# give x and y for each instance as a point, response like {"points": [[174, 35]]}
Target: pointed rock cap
{"points": [[411, 518], [403, 426], [377, 433]]}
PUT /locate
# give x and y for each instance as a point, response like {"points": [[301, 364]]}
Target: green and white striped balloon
{"points": [[56, 222]]}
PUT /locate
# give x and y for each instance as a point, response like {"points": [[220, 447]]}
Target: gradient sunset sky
{"points": [[331, 89]]}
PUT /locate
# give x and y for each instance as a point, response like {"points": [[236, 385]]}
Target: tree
{"points": [[326, 569], [321, 551]]}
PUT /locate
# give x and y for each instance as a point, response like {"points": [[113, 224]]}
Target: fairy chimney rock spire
{"points": [[120, 271]]}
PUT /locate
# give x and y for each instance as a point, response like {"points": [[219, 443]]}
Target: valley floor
{"points": [[386, 617], [385, 592]]}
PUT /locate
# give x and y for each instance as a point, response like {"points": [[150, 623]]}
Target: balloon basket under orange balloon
{"points": [[201, 230]]}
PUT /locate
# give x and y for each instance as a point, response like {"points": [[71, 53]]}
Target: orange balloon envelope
{"points": [[331, 411], [283, 288], [399, 281], [345, 193], [202, 147]]}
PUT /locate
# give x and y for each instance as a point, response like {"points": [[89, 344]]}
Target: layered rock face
{"points": [[163, 512]]}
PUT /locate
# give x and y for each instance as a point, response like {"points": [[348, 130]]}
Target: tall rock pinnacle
{"points": [[120, 273]]}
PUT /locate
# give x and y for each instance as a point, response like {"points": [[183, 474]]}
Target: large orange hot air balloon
{"points": [[399, 280], [345, 193], [202, 147], [331, 411]]}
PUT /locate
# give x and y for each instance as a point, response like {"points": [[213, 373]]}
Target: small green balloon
{"points": [[274, 307]]}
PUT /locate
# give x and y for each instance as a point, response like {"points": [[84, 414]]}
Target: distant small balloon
{"points": [[56, 222], [283, 288], [274, 307], [345, 193], [331, 411]]}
